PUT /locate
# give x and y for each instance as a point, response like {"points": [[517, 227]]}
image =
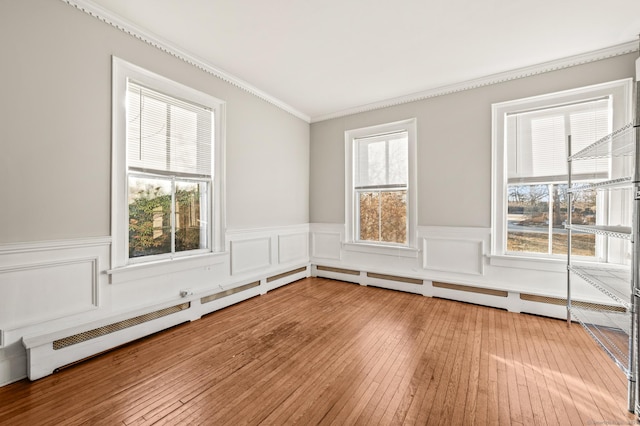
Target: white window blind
{"points": [[382, 161], [167, 135], [537, 141]]}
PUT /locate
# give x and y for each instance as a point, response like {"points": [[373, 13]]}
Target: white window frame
{"points": [[122, 71], [352, 242], [621, 93]]}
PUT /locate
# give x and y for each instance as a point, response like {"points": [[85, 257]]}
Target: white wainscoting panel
{"points": [[34, 293], [326, 245], [293, 248], [49, 280], [453, 255], [455, 250], [250, 255]]}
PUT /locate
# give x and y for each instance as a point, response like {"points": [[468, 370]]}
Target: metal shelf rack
{"points": [[613, 326]]}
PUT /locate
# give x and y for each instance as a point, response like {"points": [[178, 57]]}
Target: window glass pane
{"points": [[149, 216], [537, 140], [399, 161], [369, 208], [191, 230], [584, 213], [184, 140], [147, 135], [393, 217], [382, 160], [383, 216], [167, 134], [548, 146], [528, 218]]}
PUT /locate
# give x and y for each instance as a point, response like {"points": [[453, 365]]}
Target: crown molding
{"points": [[158, 42], [558, 64]]}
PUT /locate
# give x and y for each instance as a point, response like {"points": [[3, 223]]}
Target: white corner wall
{"points": [[55, 241]]}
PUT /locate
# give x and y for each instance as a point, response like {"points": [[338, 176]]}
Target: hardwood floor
{"points": [[325, 352]]}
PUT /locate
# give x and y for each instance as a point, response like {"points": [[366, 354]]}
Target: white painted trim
{"points": [[239, 233], [528, 262], [410, 126], [121, 72], [252, 250], [94, 282], [315, 250], [36, 246], [42, 265], [286, 245], [555, 65], [477, 243], [394, 251], [167, 266], [156, 41]]}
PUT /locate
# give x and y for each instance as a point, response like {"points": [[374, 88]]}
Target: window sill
{"points": [[162, 267], [545, 264], [524, 262], [381, 249]]}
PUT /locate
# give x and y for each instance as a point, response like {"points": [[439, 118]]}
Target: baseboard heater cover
{"points": [[120, 325], [337, 270], [395, 278], [563, 302], [286, 274], [229, 292], [470, 289]]}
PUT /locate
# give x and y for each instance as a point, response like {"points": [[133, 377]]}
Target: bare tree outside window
{"points": [[381, 171]]}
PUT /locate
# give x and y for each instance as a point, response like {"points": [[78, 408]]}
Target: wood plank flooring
{"points": [[319, 351]]}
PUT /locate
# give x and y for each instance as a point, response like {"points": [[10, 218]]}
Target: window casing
{"points": [[167, 168], [380, 179], [529, 191]]}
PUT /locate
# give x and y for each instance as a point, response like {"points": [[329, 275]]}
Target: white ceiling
{"points": [[325, 56]]}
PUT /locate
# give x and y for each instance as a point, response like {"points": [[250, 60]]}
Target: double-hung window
{"points": [[532, 140], [166, 168], [537, 147], [168, 173], [381, 189]]}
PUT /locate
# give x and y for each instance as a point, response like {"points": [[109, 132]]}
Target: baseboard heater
{"points": [[286, 274], [50, 352], [229, 292], [395, 278], [563, 302], [120, 325], [337, 270], [471, 289]]}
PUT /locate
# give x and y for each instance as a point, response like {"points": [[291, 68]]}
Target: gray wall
{"points": [[55, 147], [454, 145]]}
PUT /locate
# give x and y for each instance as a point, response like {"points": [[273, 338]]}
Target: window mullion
{"points": [[379, 215], [550, 218], [173, 215]]}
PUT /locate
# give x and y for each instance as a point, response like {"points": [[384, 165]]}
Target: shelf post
{"points": [[568, 222], [634, 386]]}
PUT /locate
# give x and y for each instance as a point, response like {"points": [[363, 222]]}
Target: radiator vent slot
{"points": [[286, 274], [229, 292], [563, 302], [121, 325], [471, 289], [338, 270], [394, 278]]}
